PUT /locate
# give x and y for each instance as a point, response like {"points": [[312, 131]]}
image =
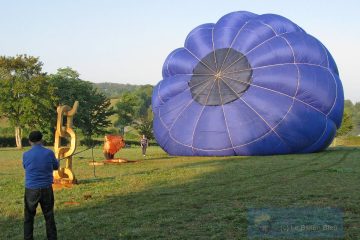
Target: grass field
{"points": [[163, 197]]}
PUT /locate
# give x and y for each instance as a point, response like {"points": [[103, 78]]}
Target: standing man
{"points": [[39, 163], [144, 144]]}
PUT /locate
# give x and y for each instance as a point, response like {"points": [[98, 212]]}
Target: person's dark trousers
{"points": [[143, 148], [45, 197]]}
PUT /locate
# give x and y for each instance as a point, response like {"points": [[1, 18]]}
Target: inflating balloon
{"points": [[248, 85]]}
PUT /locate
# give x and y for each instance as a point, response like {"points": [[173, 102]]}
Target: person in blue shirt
{"points": [[39, 163]]}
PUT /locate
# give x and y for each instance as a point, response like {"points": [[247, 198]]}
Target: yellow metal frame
{"points": [[65, 174]]}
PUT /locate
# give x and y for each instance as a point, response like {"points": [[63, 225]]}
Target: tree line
{"points": [[29, 98], [115, 90], [351, 119]]}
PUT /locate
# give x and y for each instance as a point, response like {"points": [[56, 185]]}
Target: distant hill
{"points": [[114, 90]]}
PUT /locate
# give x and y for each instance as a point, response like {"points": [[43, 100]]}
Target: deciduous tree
{"points": [[26, 97], [346, 125], [94, 107], [125, 109]]}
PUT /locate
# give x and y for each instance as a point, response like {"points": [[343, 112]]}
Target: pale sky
{"points": [[128, 41]]}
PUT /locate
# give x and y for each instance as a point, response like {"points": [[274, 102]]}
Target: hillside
{"points": [[114, 90]]}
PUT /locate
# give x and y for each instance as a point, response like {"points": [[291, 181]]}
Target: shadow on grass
{"points": [[94, 180], [211, 205], [147, 158]]}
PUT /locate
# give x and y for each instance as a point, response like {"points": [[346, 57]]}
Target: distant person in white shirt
{"points": [[144, 142]]}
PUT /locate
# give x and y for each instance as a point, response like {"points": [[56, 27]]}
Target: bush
{"points": [[10, 142], [7, 131]]}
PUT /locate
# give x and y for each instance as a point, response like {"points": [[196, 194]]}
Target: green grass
{"points": [[347, 141], [163, 197]]}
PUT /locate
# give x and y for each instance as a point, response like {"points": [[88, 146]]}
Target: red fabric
{"points": [[113, 143]]}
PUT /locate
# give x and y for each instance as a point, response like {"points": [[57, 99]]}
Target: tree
{"points": [[26, 96], [354, 111], [144, 125], [348, 104], [346, 125], [125, 109], [94, 107], [134, 109], [144, 94], [356, 118]]}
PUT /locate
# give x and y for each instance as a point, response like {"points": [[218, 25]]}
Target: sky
{"points": [[128, 41]]}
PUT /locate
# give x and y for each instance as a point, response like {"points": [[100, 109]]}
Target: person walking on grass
{"points": [[39, 163], [144, 142]]}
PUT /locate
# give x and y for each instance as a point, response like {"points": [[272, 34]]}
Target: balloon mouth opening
{"points": [[221, 77]]}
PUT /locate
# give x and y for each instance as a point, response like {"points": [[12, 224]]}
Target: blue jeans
{"points": [[32, 198]]}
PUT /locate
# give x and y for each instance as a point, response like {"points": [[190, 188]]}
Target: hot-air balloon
{"points": [[248, 85]]}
